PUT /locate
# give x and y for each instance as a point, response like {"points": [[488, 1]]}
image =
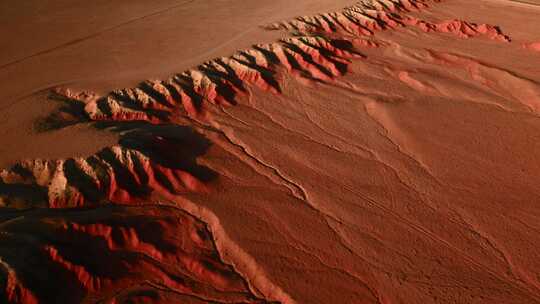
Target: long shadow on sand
{"points": [[168, 147]]}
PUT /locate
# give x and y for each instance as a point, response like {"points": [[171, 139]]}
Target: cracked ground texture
{"points": [[382, 153]]}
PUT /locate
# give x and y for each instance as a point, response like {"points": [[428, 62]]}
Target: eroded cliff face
{"points": [[114, 254]]}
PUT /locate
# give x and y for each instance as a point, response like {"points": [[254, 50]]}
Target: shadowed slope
{"points": [[148, 158], [125, 253]]}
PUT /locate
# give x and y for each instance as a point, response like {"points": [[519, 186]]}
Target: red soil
{"points": [[533, 46], [355, 161]]}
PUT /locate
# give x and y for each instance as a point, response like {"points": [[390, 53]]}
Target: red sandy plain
{"points": [[381, 152]]}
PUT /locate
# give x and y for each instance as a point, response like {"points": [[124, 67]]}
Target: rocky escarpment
{"points": [[222, 81], [114, 255]]}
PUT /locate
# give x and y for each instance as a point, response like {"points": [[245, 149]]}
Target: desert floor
{"points": [[226, 151]]}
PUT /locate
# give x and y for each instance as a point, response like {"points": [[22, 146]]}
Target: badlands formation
{"points": [[378, 151]]}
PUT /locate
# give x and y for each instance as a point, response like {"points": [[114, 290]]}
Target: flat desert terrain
{"points": [[309, 151]]}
